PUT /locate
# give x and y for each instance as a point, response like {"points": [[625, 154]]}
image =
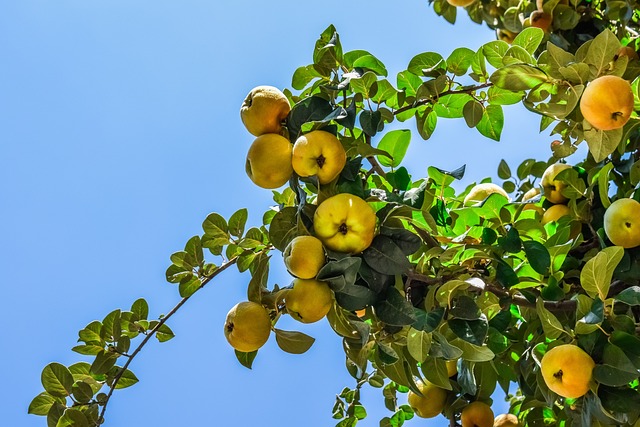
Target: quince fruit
{"points": [[552, 187], [566, 370], [554, 213], [477, 414], [247, 326], [269, 161], [481, 191], [309, 300], [607, 102], [432, 401], [264, 109], [319, 153], [506, 420], [345, 223], [542, 20], [304, 257], [622, 223], [452, 367]]}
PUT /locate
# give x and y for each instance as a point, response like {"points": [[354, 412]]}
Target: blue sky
{"points": [[120, 132]]}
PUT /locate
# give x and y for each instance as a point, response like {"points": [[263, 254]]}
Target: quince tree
{"points": [[440, 296]]}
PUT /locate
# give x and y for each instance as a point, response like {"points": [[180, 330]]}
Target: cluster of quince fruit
{"points": [[342, 223], [433, 400]]}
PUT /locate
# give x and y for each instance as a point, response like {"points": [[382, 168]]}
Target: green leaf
{"points": [[596, 274], [498, 96], [504, 172], [428, 321], [538, 256], [215, 226], [435, 371], [73, 418], [82, 392], [41, 404], [246, 359], [629, 344], [407, 241], [426, 122], [259, 277], [189, 286], [452, 106], [194, 249], [293, 342], [492, 122], [472, 331], [473, 111], [57, 380], [127, 379], [341, 273], [426, 63], [395, 143], [364, 84], [418, 344], [140, 309], [460, 60], [283, 228], [511, 242], [384, 256], [550, 323], [313, 108], [517, 77], [472, 352], [103, 362], [395, 309], [371, 122], [602, 143], [616, 368], [530, 39], [372, 63], [303, 76], [164, 333], [601, 51], [408, 82], [630, 296], [55, 413], [494, 52], [237, 222]]}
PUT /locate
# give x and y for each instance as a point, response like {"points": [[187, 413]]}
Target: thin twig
{"points": [[446, 92], [155, 329]]}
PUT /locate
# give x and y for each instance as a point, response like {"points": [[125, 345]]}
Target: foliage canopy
{"points": [[492, 286]]}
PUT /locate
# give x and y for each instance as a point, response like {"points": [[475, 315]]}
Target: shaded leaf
{"points": [[293, 342]]}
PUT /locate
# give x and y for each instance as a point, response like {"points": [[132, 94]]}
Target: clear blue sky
{"points": [[120, 132]]}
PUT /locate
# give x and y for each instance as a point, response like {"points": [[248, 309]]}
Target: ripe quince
{"points": [[304, 257], [622, 223], [432, 401], [607, 102], [481, 191], [477, 414], [345, 223], [566, 370], [269, 161], [552, 187], [506, 420], [319, 153], [264, 109], [309, 300], [555, 212], [247, 326]]}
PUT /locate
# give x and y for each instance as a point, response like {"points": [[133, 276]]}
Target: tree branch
{"points": [[152, 332], [466, 89], [372, 160], [519, 300]]}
